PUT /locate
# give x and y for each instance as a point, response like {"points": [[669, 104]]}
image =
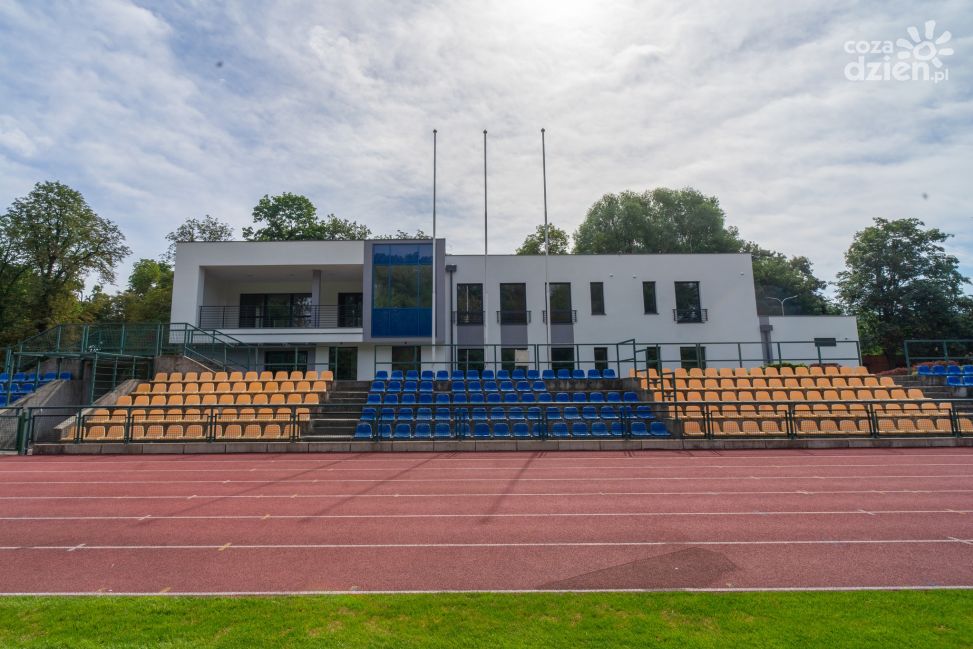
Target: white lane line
{"points": [[462, 479], [538, 494], [525, 544], [511, 591], [263, 517]]}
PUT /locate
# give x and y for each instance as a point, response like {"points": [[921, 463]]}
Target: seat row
{"points": [[223, 399], [809, 408], [425, 398], [459, 386], [804, 383], [878, 394], [499, 375], [220, 377], [944, 370], [505, 430], [829, 426], [713, 372], [34, 377], [534, 413], [956, 381], [236, 387]]}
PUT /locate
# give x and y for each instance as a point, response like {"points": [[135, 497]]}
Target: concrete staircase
{"points": [[341, 412]]}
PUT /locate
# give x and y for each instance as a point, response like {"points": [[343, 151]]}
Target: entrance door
{"points": [[349, 309], [343, 361]]}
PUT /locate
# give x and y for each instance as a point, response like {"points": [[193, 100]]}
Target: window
{"points": [[561, 311], [513, 358], [402, 289], [406, 357], [648, 298], [692, 356], [687, 302], [513, 304], [469, 304], [597, 298], [269, 310], [285, 360], [652, 358], [470, 358], [562, 358], [601, 358]]}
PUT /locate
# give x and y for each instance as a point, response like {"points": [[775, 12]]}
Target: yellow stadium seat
{"points": [[277, 398], [174, 400], [190, 388], [795, 395], [222, 387], [205, 376], [801, 370], [915, 393], [870, 381], [238, 387], [692, 428], [829, 426], [312, 375], [255, 386], [143, 388], [260, 399], [296, 375], [792, 382], [787, 371], [221, 377], [161, 377], [226, 399], [250, 376], [266, 376], [158, 400], [906, 425], [175, 388], [848, 426], [232, 431], [808, 426], [280, 375], [770, 426], [209, 400], [124, 400], [816, 370], [742, 372], [235, 377], [159, 388], [775, 382], [243, 399], [319, 386]]}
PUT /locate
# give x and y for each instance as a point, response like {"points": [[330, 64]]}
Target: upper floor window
{"points": [[469, 304], [597, 298], [687, 302], [513, 304], [648, 297], [561, 311]]}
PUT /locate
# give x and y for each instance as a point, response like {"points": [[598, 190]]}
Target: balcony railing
{"points": [[317, 316], [468, 317], [690, 315], [513, 317], [562, 316]]}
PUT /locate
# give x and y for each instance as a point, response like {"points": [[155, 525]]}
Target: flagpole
{"points": [[486, 310], [434, 278], [547, 248]]}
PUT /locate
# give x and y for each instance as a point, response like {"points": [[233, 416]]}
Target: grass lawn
{"points": [[838, 619]]}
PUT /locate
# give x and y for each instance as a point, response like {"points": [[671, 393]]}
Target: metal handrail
{"points": [[314, 316], [690, 315], [562, 316]]}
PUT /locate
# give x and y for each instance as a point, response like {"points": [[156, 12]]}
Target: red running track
{"points": [[895, 518]]}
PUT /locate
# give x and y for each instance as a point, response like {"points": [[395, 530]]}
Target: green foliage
{"points": [[777, 276], [292, 217], [657, 221], [866, 619], [402, 234], [558, 242], [193, 229], [901, 284], [61, 241]]}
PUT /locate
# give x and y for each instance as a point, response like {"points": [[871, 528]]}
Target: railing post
{"points": [[873, 420], [127, 433], [23, 426]]}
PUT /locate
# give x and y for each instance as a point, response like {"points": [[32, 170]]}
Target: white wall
{"points": [[794, 329]]}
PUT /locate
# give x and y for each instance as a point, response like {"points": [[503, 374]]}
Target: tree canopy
{"points": [[207, 228], [292, 217], [557, 239], [902, 284], [777, 276]]}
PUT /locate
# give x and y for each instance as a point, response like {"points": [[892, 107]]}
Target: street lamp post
{"points": [[777, 299]]}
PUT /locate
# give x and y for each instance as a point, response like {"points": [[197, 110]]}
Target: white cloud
{"points": [[338, 100]]}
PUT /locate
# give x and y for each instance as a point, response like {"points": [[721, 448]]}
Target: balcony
{"points": [[461, 318], [513, 317], [562, 316], [318, 316], [683, 316]]}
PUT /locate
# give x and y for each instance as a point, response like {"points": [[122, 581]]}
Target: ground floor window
{"points": [[514, 358], [470, 358], [601, 358], [287, 360], [406, 357], [343, 363], [692, 357], [562, 358], [651, 358]]}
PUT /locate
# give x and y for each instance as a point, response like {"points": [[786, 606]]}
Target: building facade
{"points": [[356, 307]]}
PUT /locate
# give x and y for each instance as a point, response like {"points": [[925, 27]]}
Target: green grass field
{"points": [[835, 619]]}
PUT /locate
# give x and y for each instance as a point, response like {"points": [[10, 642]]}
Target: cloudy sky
{"points": [[161, 111]]}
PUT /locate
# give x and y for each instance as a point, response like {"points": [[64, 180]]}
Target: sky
{"points": [[158, 112]]}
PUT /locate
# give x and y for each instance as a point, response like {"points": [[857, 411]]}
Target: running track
{"points": [[487, 521]]}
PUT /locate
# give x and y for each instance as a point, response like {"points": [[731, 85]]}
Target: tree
{"points": [[901, 284], [148, 297], [62, 241], [558, 243], [402, 234], [777, 276], [292, 217], [193, 229], [657, 221]]}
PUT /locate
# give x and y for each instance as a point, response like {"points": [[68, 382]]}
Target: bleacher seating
{"points": [[235, 405], [504, 404], [810, 400], [20, 384]]}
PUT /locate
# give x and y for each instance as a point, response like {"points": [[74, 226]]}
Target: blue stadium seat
{"points": [[368, 414], [599, 429], [658, 429], [589, 412], [363, 431], [396, 375], [388, 414], [442, 375], [560, 429], [377, 386], [954, 381], [427, 375], [405, 414], [424, 414], [594, 375], [393, 386], [425, 386], [518, 375], [571, 413], [579, 397], [463, 429], [553, 413], [521, 429], [533, 375], [548, 375], [3, 399], [630, 397], [457, 386], [442, 397], [458, 375], [515, 414], [924, 370], [544, 397], [498, 414], [442, 414], [534, 413], [381, 375], [938, 370], [442, 431], [644, 412], [952, 369], [596, 397], [20, 377], [49, 376], [506, 386], [968, 370], [609, 374], [563, 375], [472, 375], [410, 386], [539, 386], [479, 414], [481, 429], [490, 386], [374, 398], [412, 375], [460, 397], [403, 431], [968, 380], [392, 399], [385, 431], [613, 397], [477, 397], [488, 375], [425, 398], [617, 428], [527, 397], [562, 397], [522, 386], [510, 397], [27, 388], [503, 375], [408, 399], [639, 429], [474, 386], [423, 431], [579, 429], [578, 375], [501, 429], [4, 377], [607, 412]]}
